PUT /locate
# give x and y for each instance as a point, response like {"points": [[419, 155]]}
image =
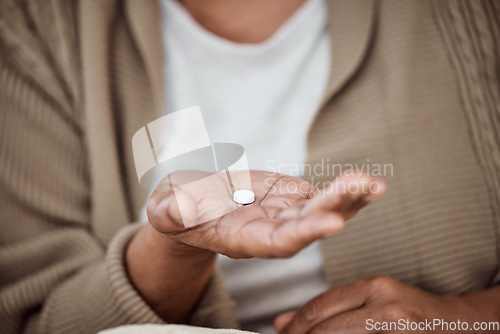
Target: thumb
{"points": [[172, 211]]}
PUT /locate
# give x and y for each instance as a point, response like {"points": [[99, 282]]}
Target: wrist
{"points": [[168, 274], [168, 244]]}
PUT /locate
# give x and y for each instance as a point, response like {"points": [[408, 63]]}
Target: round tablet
{"points": [[244, 196]]}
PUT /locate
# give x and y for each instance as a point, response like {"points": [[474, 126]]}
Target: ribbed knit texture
{"points": [[471, 33], [407, 106], [68, 190], [414, 84]]}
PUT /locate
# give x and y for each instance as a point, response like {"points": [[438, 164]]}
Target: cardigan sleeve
{"points": [[55, 274]]}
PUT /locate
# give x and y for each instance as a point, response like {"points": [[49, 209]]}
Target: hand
{"points": [[170, 265], [288, 213], [382, 299]]}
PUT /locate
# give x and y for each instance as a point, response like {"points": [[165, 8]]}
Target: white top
{"points": [[264, 97]]}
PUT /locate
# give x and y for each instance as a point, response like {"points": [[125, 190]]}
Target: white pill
{"points": [[244, 196]]}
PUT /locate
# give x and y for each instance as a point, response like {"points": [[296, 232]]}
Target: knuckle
{"points": [[393, 311], [312, 311], [381, 285]]}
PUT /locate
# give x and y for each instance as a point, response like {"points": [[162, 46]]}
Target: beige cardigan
{"points": [[414, 84]]}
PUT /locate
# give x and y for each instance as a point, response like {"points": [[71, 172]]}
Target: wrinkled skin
{"points": [[287, 215], [346, 309]]}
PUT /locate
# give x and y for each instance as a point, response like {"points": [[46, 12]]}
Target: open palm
{"points": [[288, 213]]}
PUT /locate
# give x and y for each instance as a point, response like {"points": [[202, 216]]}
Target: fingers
{"points": [[294, 235], [277, 186], [285, 222], [282, 320], [353, 322], [347, 195], [269, 237], [325, 306]]}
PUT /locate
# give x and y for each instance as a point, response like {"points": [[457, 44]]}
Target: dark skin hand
{"points": [[287, 215], [383, 299], [170, 265]]}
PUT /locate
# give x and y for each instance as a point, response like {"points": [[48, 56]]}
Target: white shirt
{"points": [[264, 97]]}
